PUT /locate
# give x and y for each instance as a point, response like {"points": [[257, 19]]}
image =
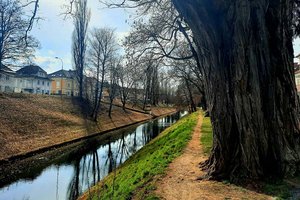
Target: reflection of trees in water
{"points": [[73, 189], [87, 167], [123, 150], [110, 158], [133, 148], [147, 132], [86, 174]]}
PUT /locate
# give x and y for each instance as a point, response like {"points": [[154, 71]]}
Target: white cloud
{"points": [[54, 33], [121, 36], [50, 64]]}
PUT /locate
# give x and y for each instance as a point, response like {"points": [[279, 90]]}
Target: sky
{"points": [[55, 33]]}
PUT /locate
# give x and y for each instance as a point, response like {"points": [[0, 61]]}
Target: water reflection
{"points": [[82, 167]]}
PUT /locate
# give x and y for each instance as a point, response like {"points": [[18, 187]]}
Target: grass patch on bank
{"points": [[206, 135], [138, 175], [278, 188]]}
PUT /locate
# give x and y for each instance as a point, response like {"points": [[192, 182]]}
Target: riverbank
{"points": [[137, 176], [165, 170], [31, 123]]}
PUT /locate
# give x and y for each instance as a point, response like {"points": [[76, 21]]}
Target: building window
{"points": [[7, 78], [7, 89], [41, 74], [69, 85], [57, 83], [43, 83], [47, 83], [38, 82]]}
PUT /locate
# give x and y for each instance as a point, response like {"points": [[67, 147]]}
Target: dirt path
{"points": [[181, 180]]}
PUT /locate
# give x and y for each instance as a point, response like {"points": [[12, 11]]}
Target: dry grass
{"points": [[31, 122]]}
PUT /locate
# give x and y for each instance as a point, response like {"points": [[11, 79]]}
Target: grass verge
{"points": [[138, 175], [206, 135]]}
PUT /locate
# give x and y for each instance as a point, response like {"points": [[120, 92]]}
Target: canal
{"points": [[66, 172]]}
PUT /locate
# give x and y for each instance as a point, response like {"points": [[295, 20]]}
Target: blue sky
{"points": [[54, 32]]}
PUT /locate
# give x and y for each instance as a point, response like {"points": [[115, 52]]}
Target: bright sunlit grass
{"points": [[206, 135], [136, 177]]}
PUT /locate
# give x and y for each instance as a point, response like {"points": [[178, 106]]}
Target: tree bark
{"points": [[98, 105], [110, 108], [190, 94], [245, 48]]}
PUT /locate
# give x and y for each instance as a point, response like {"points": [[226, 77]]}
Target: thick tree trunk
{"points": [[245, 48]]}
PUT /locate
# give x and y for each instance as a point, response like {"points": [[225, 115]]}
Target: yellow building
{"points": [[64, 82]]}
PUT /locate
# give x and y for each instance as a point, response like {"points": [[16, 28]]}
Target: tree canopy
{"points": [[15, 43]]}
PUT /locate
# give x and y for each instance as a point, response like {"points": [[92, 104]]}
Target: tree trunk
{"points": [[245, 48], [123, 105], [110, 108], [192, 103], [98, 106]]}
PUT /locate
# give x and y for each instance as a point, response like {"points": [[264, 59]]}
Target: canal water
{"points": [[65, 173]]}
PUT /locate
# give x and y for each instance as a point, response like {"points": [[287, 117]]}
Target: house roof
{"points": [[63, 74], [31, 71], [6, 69]]}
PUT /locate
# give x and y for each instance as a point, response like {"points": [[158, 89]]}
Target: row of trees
{"points": [[243, 55], [142, 79], [96, 53], [244, 59], [16, 45]]}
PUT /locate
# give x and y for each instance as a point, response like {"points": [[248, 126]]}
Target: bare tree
{"points": [[126, 82], [15, 43], [247, 59], [113, 81], [151, 84], [167, 38], [189, 72], [79, 46], [102, 49]]}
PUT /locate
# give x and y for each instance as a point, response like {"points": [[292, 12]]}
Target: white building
{"points": [[32, 79], [7, 79]]}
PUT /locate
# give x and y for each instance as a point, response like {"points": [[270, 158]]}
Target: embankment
{"points": [[31, 123], [136, 178]]}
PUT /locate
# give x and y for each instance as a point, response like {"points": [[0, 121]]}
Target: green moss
{"points": [[206, 135], [137, 176], [279, 189]]}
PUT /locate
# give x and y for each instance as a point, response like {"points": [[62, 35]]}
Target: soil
{"points": [[182, 178]]}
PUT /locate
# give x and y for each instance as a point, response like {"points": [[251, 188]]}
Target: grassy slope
{"points": [[206, 135], [137, 176], [31, 122]]}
